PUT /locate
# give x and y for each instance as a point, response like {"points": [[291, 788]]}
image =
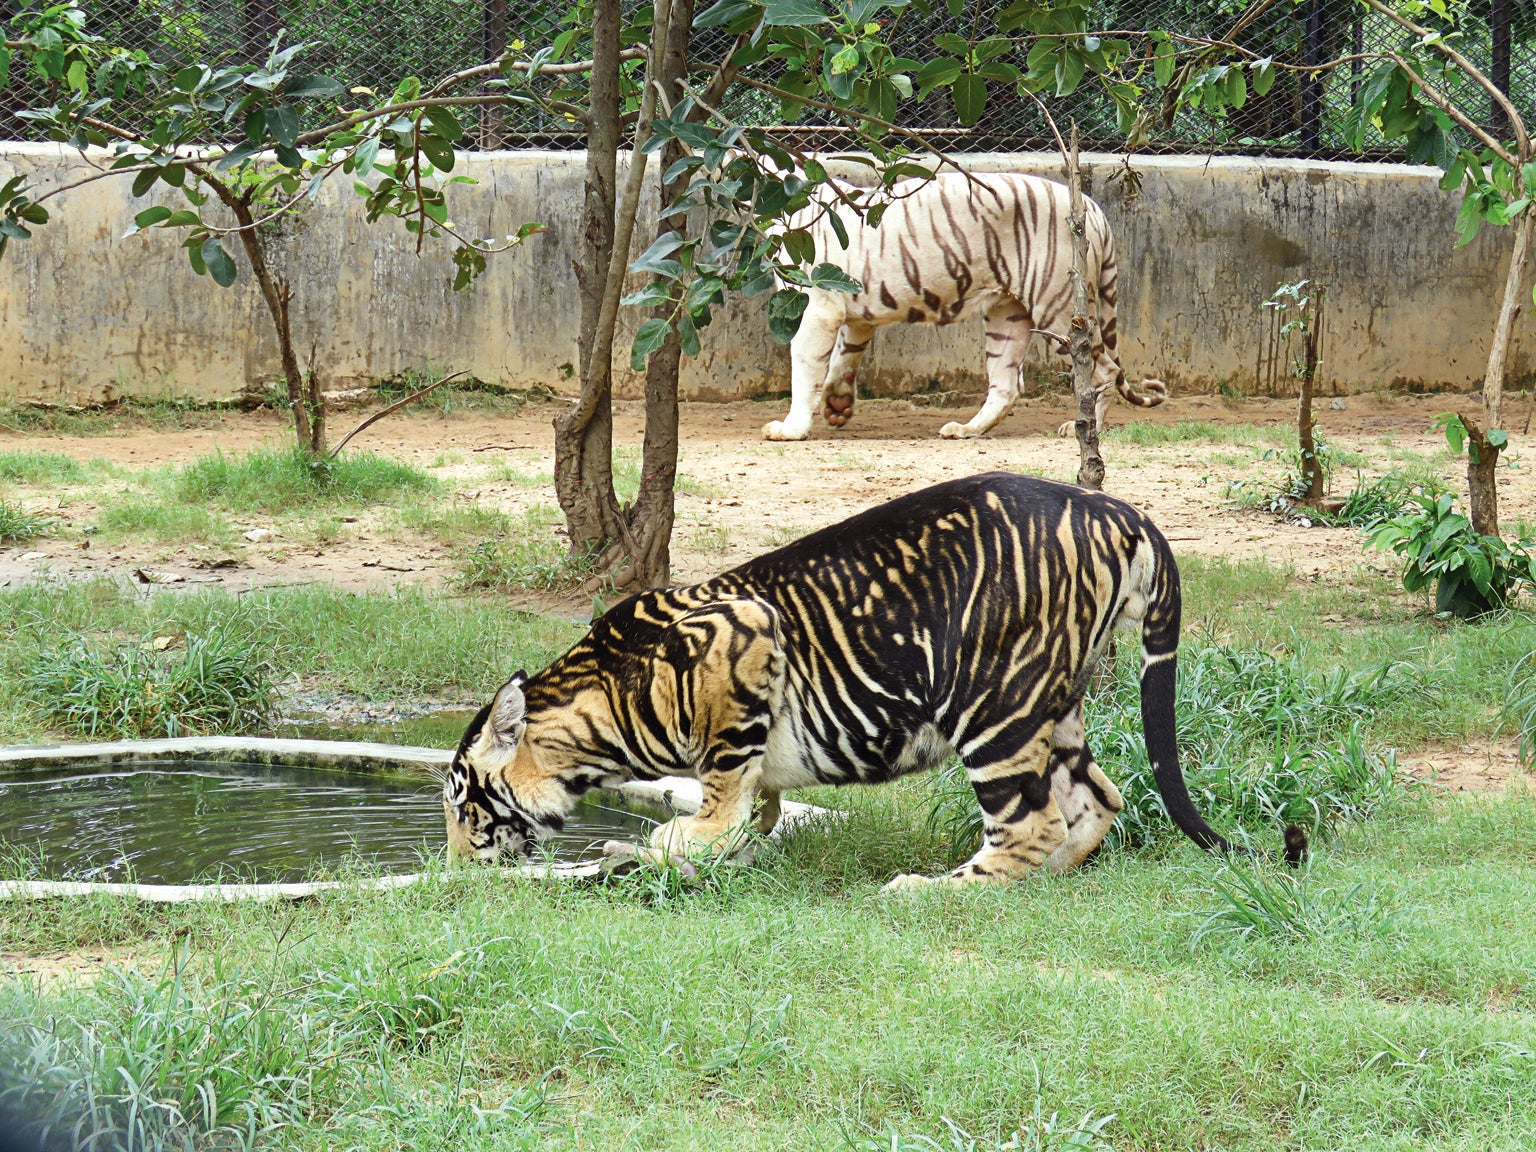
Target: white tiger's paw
{"points": [[908, 882], [1068, 429], [776, 430], [957, 431]]}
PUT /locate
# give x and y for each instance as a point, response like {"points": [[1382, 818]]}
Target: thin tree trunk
{"points": [[584, 436], [651, 518], [303, 391], [1311, 473], [1482, 484], [1090, 467]]}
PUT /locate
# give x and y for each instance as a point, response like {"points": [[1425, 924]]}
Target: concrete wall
{"points": [[86, 314]]}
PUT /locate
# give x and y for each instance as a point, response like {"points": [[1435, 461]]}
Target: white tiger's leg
{"points": [[1087, 798], [844, 366], [1021, 823], [1008, 332], [1105, 373], [809, 353]]}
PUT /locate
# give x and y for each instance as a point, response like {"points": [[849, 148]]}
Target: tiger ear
{"points": [[509, 711]]}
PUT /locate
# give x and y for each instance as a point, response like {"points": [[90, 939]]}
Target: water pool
{"points": [[185, 821]]}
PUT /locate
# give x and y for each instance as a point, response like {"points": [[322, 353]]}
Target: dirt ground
{"points": [[744, 495]]}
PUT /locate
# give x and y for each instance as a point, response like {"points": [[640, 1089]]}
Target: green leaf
{"points": [[218, 263], [283, 123], [937, 73], [800, 246], [313, 86], [152, 216], [785, 308], [1069, 71], [1263, 76], [830, 278], [1498, 437], [1163, 60], [651, 336], [723, 13], [189, 79], [688, 335], [970, 94], [655, 259], [793, 13], [468, 263], [185, 218], [145, 180], [845, 59]]}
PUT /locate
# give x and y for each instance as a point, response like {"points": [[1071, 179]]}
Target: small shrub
{"points": [[278, 481], [1260, 902], [214, 683], [1371, 502], [18, 525], [1472, 574]]}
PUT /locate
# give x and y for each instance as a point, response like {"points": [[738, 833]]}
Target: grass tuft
{"points": [[213, 683], [530, 558], [1261, 902], [1042, 1134], [40, 468], [19, 525], [270, 480]]}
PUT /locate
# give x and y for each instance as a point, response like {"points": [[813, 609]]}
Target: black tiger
{"points": [[966, 619]]}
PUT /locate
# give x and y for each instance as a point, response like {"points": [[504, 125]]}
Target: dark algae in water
{"points": [[188, 822]]}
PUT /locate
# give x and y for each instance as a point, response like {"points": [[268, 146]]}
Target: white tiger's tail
{"points": [[1152, 392]]}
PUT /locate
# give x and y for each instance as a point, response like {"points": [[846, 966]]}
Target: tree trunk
{"points": [[651, 518], [584, 436], [1090, 467], [1311, 472], [303, 390], [1482, 485]]}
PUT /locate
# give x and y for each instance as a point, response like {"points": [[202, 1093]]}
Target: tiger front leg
{"points": [[718, 677], [810, 353], [1021, 822]]}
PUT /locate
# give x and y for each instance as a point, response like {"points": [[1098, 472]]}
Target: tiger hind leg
{"points": [[1088, 799], [1105, 374], [840, 393], [1021, 821], [1009, 327]]}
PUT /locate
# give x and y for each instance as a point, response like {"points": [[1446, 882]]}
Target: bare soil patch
{"points": [[1490, 766], [743, 495]]}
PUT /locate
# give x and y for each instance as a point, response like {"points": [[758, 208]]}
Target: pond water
{"points": [[185, 822]]}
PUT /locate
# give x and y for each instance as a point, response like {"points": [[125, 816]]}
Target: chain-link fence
{"points": [[374, 43]]}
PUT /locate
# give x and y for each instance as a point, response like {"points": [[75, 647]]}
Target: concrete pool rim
{"points": [[672, 793]]}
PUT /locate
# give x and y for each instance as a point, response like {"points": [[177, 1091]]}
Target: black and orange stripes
{"points": [[963, 619]]}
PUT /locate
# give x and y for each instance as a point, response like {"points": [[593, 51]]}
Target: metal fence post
{"points": [[1311, 84], [1499, 22], [493, 42], [258, 19]]}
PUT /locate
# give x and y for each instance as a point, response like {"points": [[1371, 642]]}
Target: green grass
{"points": [[1147, 434], [1383, 999], [455, 523], [169, 521], [406, 645], [213, 683], [40, 468], [111, 419], [273, 481], [18, 525], [528, 557], [790, 1005]]}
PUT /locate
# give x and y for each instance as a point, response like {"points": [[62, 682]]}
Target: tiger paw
{"points": [[1067, 429], [838, 408], [956, 431], [776, 430], [687, 836], [909, 882]]}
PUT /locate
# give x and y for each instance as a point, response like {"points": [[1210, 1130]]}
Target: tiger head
{"points": [[496, 797]]}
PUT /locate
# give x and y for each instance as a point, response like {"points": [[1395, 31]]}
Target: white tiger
{"points": [[947, 248]]}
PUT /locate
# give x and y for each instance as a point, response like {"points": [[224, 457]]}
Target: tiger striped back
{"points": [[964, 619], [959, 245]]}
